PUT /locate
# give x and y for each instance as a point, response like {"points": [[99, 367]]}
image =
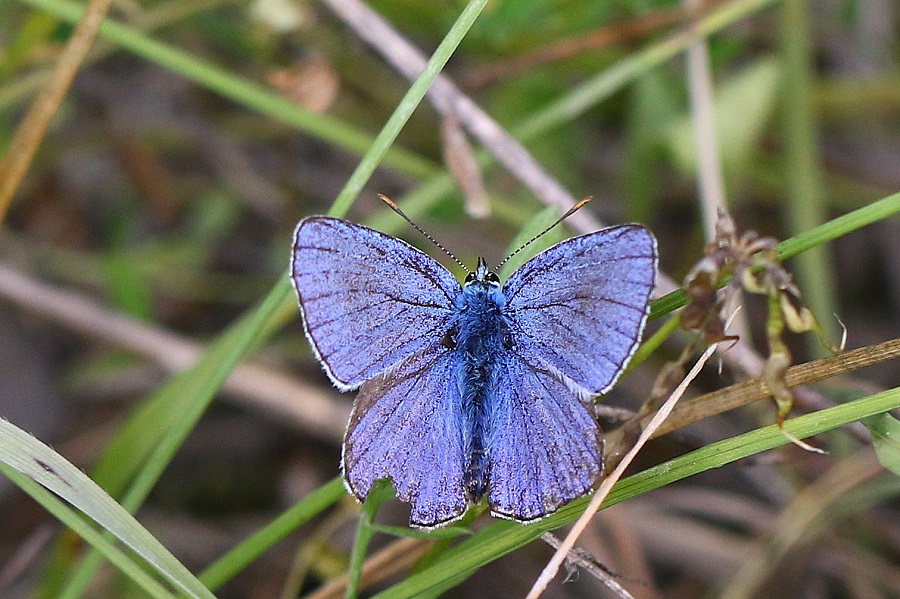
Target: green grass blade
{"points": [[836, 227], [405, 108], [180, 404], [817, 236], [38, 462], [243, 554], [99, 541], [885, 431], [238, 89], [804, 202], [501, 538]]}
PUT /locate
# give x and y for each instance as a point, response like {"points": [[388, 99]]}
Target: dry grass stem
{"points": [[24, 144], [449, 100]]}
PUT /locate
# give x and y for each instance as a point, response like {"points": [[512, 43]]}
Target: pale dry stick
{"points": [[283, 397], [24, 144], [703, 119], [710, 184], [448, 99], [550, 570]]}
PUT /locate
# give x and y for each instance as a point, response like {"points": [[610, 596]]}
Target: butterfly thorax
{"points": [[479, 334]]}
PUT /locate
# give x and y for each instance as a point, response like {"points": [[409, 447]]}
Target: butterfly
{"points": [[479, 389]]}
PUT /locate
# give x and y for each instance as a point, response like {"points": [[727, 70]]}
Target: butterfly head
{"points": [[483, 275]]}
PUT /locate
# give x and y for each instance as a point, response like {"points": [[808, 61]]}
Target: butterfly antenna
{"points": [[396, 209], [568, 213]]}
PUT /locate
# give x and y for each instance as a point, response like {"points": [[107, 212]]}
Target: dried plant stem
{"points": [[709, 168], [747, 392], [449, 100], [556, 561], [15, 162], [710, 183], [283, 396]]}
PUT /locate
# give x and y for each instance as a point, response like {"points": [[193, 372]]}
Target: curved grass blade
{"points": [[179, 406], [41, 464]]}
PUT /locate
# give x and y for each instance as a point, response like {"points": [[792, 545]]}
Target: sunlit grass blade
{"points": [[39, 463], [178, 406]]}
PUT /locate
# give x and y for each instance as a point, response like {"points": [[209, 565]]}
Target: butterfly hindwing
{"points": [[579, 307], [544, 446], [368, 300], [407, 425]]}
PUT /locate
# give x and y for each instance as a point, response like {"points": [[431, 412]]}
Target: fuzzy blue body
{"points": [[479, 335]]}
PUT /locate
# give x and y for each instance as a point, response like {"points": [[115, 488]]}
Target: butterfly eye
{"points": [[491, 277], [470, 278]]}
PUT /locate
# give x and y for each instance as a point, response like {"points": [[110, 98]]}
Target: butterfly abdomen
{"points": [[481, 334]]}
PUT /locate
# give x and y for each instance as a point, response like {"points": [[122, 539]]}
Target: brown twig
{"points": [[747, 392], [15, 162], [603, 37]]}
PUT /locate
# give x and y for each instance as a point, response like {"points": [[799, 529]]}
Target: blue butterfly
{"points": [[479, 389]]}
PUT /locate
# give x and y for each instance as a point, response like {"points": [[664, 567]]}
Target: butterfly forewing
{"points": [[578, 308], [368, 300]]}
